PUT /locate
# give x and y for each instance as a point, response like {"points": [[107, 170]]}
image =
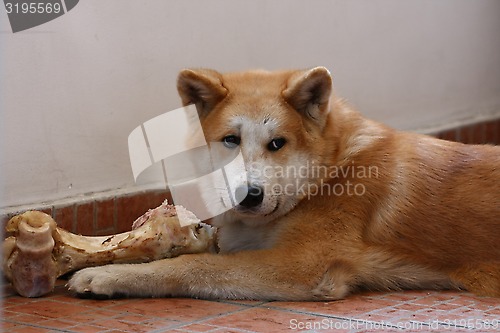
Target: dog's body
{"points": [[365, 206]]}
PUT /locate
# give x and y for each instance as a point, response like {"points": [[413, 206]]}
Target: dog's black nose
{"points": [[252, 195]]}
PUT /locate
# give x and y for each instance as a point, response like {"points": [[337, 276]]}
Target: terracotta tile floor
{"points": [[411, 311]]}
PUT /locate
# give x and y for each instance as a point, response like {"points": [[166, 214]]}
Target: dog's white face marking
{"points": [[278, 178]]}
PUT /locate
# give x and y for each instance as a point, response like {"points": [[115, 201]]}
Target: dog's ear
{"points": [[202, 87], [309, 92]]}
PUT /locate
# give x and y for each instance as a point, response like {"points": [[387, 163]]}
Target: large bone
{"points": [[40, 252]]}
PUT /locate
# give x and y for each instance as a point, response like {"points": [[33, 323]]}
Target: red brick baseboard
{"points": [[487, 132], [115, 213], [98, 217]]}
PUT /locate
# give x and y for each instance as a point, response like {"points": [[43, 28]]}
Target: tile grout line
{"points": [[36, 326], [340, 317], [374, 312], [198, 321], [74, 223], [94, 218], [268, 305], [361, 321], [117, 313], [115, 213]]}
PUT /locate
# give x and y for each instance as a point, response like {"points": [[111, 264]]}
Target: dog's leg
{"points": [[337, 282], [263, 274], [482, 279]]}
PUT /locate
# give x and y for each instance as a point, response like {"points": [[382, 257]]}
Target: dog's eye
{"points": [[276, 144], [231, 141]]}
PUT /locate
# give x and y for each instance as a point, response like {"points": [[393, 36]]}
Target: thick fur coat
{"points": [[421, 212]]}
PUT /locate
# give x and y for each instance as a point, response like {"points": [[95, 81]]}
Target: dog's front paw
{"points": [[98, 282]]}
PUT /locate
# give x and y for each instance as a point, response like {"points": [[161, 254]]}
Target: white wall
{"points": [[72, 89]]}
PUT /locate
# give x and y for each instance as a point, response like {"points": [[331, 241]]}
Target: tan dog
{"points": [[335, 202]]}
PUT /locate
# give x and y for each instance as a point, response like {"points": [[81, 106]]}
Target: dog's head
{"points": [[277, 120]]}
